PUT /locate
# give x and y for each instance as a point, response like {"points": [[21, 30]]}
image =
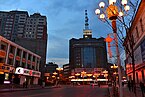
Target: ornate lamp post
{"points": [[54, 73], [113, 12], [77, 74], [89, 75], [59, 69], [54, 76], [83, 73], [114, 72]]}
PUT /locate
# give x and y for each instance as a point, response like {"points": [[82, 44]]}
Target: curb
{"points": [[15, 90]]}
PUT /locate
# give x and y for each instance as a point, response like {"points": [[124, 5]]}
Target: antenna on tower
{"points": [[86, 20], [87, 33]]}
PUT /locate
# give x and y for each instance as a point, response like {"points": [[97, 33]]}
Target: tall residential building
{"points": [[27, 31], [87, 52], [12, 24]]}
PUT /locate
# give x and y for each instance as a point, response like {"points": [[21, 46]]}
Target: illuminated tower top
{"points": [[87, 33]]}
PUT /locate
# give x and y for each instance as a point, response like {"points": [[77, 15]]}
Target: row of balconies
{"points": [[32, 64], [17, 56]]}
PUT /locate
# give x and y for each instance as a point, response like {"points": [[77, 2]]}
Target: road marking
{"points": [[35, 95]]}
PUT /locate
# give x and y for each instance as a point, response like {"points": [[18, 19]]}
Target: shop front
{"points": [[6, 74], [27, 75]]}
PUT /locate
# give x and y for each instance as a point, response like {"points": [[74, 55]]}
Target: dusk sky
{"points": [[65, 20]]}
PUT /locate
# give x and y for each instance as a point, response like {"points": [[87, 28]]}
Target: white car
{"points": [[93, 84]]}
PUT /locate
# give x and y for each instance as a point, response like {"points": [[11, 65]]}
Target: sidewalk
{"points": [[32, 87], [127, 93]]}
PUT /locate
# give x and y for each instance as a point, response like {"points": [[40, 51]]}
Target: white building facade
{"points": [[18, 64]]}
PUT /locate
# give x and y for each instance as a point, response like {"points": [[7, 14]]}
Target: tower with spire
{"points": [[87, 33]]}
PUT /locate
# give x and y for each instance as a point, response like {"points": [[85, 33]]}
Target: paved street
{"points": [[64, 91]]}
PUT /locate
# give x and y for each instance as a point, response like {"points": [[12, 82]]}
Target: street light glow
{"points": [[59, 69], [97, 11], [111, 2], [121, 14], [102, 16], [102, 4], [124, 2], [55, 73], [126, 8]]}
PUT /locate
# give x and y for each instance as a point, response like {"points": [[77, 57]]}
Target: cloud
{"points": [[59, 61]]}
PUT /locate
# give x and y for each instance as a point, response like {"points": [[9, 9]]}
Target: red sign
{"points": [[11, 55], [2, 53], [17, 58], [24, 60]]}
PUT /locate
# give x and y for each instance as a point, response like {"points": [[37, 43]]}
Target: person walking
{"points": [[132, 85], [24, 83], [142, 88], [129, 85]]}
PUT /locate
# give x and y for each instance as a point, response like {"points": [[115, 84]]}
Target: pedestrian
{"points": [[123, 84], [142, 88], [24, 84], [132, 85], [99, 84], [129, 85], [43, 84]]}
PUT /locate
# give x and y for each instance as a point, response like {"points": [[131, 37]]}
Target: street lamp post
{"points": [[83, 74], [114, 76], [105, 72], [112, 12], [77, 74], [59, 69], [54, 76]]}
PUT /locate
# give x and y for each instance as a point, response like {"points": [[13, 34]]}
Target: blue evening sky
{"points": [[65, 20]]}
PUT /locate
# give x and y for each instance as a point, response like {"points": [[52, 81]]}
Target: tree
{"points": [[124, 24]]}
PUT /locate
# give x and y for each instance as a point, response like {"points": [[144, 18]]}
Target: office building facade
{"points": [[28, 31], [137, 31], [17, 64], [87, 52]]}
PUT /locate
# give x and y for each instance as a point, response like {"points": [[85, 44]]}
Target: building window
{"points": [[10, 61], [33, 67], [33, 58], [137, 32], [29, 57], [2, 60], [3, 47], [12, 49], [23, 65], [142, 75], [18, 52], [29, 66], [137, 77], [24, 54], [17, 64], [142, 29]]}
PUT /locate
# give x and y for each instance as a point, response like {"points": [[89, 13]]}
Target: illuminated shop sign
{"points": [[19, 70], [8, 69], [28, 72]]}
